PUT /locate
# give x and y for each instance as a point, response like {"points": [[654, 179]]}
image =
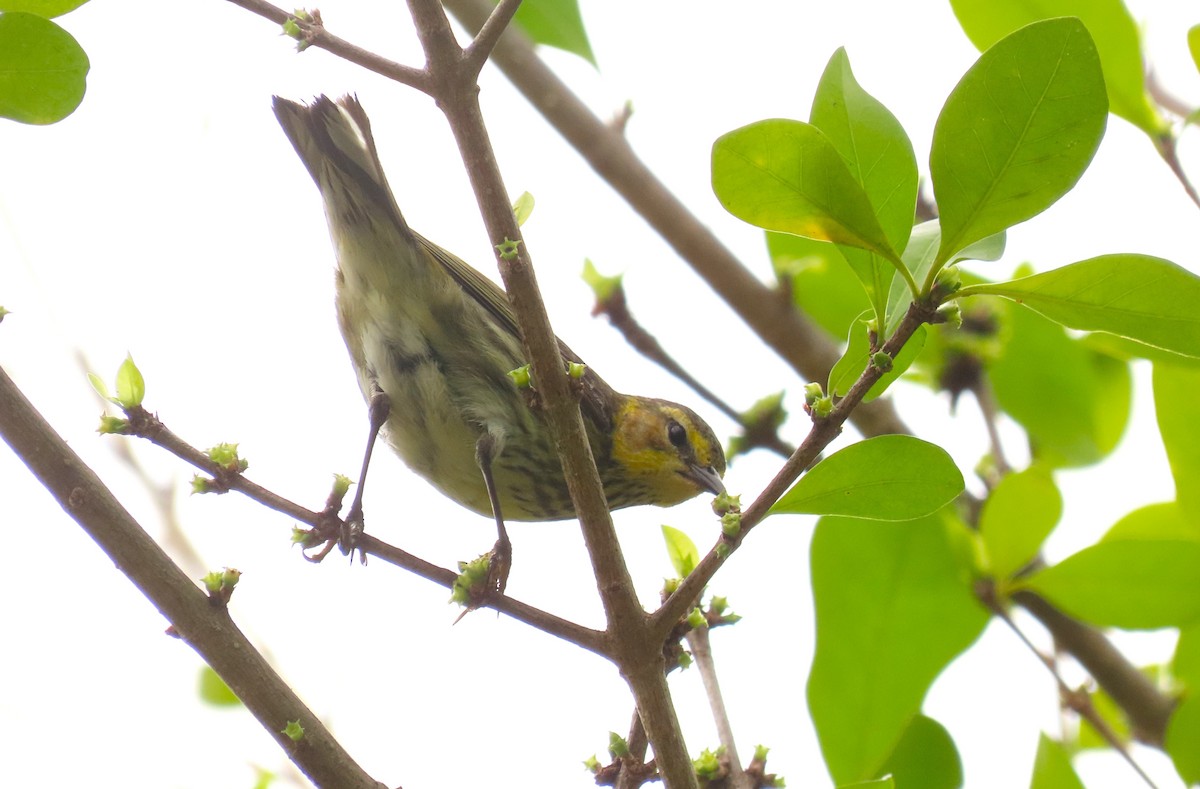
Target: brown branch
{"points": [[146, 425], [316, 35], [615, 306], [795, 338], [1166, 144], [198, 619], [1076, 700], [479, 50], [1149, 710], [637, 656], [823, 432]]}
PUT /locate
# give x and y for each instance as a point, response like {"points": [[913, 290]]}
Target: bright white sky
{"points": [[170, 219]]}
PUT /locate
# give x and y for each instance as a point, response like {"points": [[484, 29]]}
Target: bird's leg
{"points": [[378, 408], [501, 558]]}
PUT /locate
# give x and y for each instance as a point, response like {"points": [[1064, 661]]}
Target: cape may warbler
{"points": [[439, 339]]}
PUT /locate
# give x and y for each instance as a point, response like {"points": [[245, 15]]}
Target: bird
{"points": [[436, 340]]}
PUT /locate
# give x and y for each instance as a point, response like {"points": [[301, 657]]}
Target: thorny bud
{"points": [[112, 425], [708, 765], [949, 281], [226, 456], [472, 575], [731, 524], [293, 731], [341, 486], [726, 502], [951, 314], [812, 393], [617, 745], [603, 287], [522, 377], [881, 361], [508, 249], [822, 408]]}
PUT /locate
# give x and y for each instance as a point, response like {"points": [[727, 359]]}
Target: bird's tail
{"points": [[334, 141]]}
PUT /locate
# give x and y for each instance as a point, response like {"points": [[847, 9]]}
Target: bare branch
{"points": [[791, 335], [316, 35], [823, 432], [479, 50], [203, 622]]}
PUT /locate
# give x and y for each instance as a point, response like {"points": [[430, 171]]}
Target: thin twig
{"points": [[637, 656], [795, 338], [823, 432], [198, 619], [616, 307], [479, 50], [149, 426], [316, 35], [701, 644], [991, 418], [1081, 703], [1149, 710], [1166, 145]]}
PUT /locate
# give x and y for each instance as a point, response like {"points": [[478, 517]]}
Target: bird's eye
{"points": [[677, 434]]}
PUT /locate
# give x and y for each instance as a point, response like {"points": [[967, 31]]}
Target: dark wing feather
{"points": [[599, 400]]}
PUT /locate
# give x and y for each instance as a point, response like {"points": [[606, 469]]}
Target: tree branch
{"points": [[823, 432], [795, 338], [316, 35], [203, 622], [148, 426], [1148, 709], [638, 656]]}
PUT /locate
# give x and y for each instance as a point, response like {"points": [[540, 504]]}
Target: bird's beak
{"points": [[704, 477]]}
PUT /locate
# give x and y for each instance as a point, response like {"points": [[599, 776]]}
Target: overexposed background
{"points": [[170, 219]]}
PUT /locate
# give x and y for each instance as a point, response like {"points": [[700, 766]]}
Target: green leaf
{"points": [[880, 158], [1133, 584], [43, 8], [920, 255], [1193, 39], [1112, 27], [850, 366], [1185, 665], [1161, 521], [1088, 737], [882, 783], [1017, 132], [819, 279], [925, 757], [1052, 767], [1177, 403], [854, 361], [1073, 401], [1143, 298], [42, 70], [873, 145], [1017, 517], [556, 23], [214, 691], [893, 608], [1126, 349], [683, 552], [523, 208], [887, 478], [131, 388], [785, 175], [1183, 739]]}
